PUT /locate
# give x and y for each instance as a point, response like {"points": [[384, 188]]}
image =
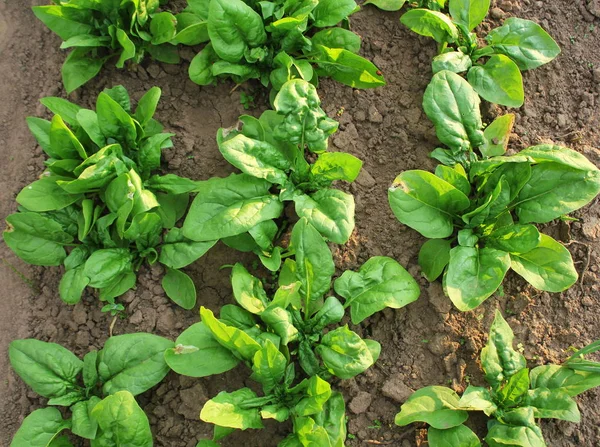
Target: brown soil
{"points": [[426, 343]]}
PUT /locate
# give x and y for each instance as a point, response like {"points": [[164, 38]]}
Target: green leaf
{"points": [[230, 206], [257, 158], [435, 405], [331, 12], [40, 129], [236, 340], [309, 433], [513, 390], [330, 211], [314, 263], [333, 419], [348, 68], [40, 428], [338, 38], [454, 61], [226, 410], [118, 287], [105, 265], [498, 81], [79, 68], [453, 106], [478, 399], [49, 369], [469, 12], [128, 48], [426, 203], [234, 28], [198, 354], [200, 70], [146, 106], [497, 135], [430, 24], [268, 366], [45, 195], [180, 288], [552, 404], [177, 251], [456, 176], [387, 5], [474, 274], [63, 142], [90, 370], [62, 21], [122, 422], [460, 435], [133, 362], [83, 423], [66, 109], [344, 353], [332, 166], [317, 392], [548, 266], [498, 358], [381, 282], [171, 184], [434, 256], [562, 378], [517, 428], [114, 121], [191, 29], [515, 238], [163, 28], [525, 42], [72, 285], [248, 290], [86, 40]]}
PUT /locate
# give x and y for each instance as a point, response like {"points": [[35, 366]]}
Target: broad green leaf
{"points": [[66, 109], [514, 389], [133, 362], [525, 42], [515, 238], [453, 106], [72, 285], [103, 266], [63, 141], [434, 256], [456, 176], [498, 358], [163, 28], [552, 404], [348, 68], [280, 322], [474, 274], [234, 28], [84, 424], [198, 354], [226, 410], [36, 239], [62, 21], [517, 428], [332, 12], [562, 378], [257, 158], [114, 121], [469, 12], [430, 24], [248, 290], [180, 288], [230, 206], [79, 68], [387, 5], [545, 153], [88, 120], [330, 211], [498, 81], [45, 195], [338, 38], [268, 366], [459, 436], [49, 369], [426, 203], [344, 353], [454, 61], [317, 392], [331, 312], [333, 419], [90, 369], [128, 49], [332, 166], [435, 405], [118, 287], [381, 282], [147, 104], [549, 266], [478, 399], [309, 433], [40, 129], [314, 263], [191, 29], [497, 135], [177, 251], [86, 40], [40, 428], [200, 70], [554, 190], [122, 422], [236, 340]]}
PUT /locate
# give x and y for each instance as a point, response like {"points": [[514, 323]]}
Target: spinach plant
{"points": [[480, 215], [97, 208], [515, 398], [99, 391], [275, 41], [493, 70], [270, 335], [98, 31], [270, 152]]}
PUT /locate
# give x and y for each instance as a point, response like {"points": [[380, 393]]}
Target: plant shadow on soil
{"points": [[426, 343]]}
